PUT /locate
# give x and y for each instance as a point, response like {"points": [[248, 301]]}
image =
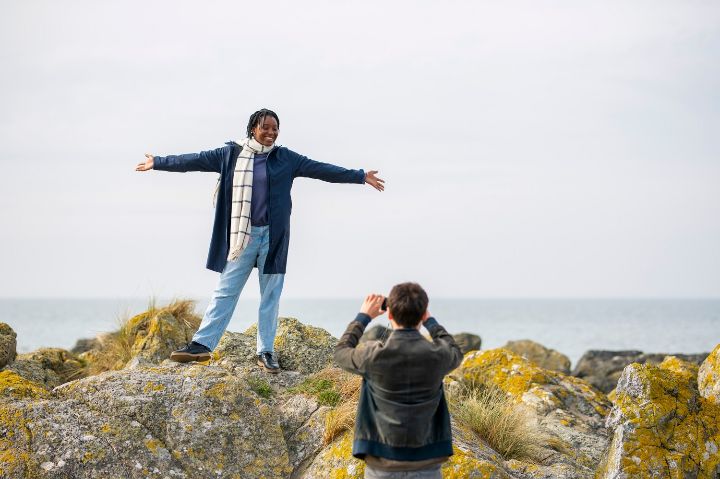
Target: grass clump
{"points": [[116, 348], [260, 387], [508, 427]]}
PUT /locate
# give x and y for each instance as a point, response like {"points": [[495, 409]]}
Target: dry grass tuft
{"points": [[115, 348], [339, 389], [509, 428]]}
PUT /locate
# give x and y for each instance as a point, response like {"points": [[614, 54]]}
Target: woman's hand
{"points": [[372, 305], [374, 181], [148, 165]]}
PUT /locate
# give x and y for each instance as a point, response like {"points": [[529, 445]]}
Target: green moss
{"points": [[324, 390], [260, 387]]}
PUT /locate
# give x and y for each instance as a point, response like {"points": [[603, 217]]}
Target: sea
{"points": [[571, 326]]}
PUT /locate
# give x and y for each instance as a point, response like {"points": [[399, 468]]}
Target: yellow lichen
{"points": [[15, 386]]}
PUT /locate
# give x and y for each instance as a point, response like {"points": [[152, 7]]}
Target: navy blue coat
{"points": [[283, 166]]}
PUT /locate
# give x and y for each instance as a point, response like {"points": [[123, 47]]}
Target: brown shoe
{"points": [[191, 352], [268, 362]]}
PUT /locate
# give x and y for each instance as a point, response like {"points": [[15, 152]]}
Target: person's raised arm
{"points": [[308, 168], [442, 338], [347, 355], [210, 160]]}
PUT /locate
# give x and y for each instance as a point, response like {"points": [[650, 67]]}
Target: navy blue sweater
{"points": [[283, 166]]}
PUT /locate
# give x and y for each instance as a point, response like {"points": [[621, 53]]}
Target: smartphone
{"points": [[383, 307]]}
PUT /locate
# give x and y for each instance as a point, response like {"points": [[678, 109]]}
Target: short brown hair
{"points": [[408, 303]]}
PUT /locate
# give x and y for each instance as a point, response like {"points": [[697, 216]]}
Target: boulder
{"points": [[166, 421], [602, 369], [376, 333], [8, 344], [303, 424], [563, 406], [468, 342], [662, 426], [156, 333], [544, 357], [48, 367], [14, 386], [85, 344], [302, 348], [709, 376]]}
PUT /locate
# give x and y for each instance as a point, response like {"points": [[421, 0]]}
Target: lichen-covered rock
{"points": [[563, 406], [48, 367], [158, 332], [303, 424], [544, 357], [14, 386], [468, 342], [662, 426], [602, 369], [8, 344], [709, 376], [166, 421], [335, 462], [302, 348]]}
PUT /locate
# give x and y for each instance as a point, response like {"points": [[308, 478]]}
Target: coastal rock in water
{"points": [[302, 348], [563, 406], [468, 342], [48, 367], [8, 343], [544, 357], [376, 333], [709, 376], [602, 369], [166, 421], [662, 426]]}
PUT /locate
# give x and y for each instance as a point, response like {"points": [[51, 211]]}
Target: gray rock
{"points": [[8, 344], [171, 420], [48, 367], [468, 342], [544, 357], [85, 344], [376, 333], [302, 348], [709, 376], [602, 369]]}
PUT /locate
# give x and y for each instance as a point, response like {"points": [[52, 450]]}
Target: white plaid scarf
{"points": [[242, 196]]}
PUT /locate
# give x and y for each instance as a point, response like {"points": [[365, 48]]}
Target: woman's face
{"points": [[267, 132]]}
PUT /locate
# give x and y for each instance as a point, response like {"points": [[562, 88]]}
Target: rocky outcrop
{"points": [[149, 417], [48, 367], [165, 421], [8, 344], [302, 348], [468, 342], [602, 369], [537, 353], [662, 426], [709, 376], [563, 406]]}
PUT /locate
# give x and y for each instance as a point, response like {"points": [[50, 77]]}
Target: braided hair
{"points": [[258, 118]]}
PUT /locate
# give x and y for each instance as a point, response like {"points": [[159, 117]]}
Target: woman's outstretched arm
{"points": [[209, 160], [336, 174]]}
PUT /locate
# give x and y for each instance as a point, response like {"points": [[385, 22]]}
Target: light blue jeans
{"points": [[232, 280]]}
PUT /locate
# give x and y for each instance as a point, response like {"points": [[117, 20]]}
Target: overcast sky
{"points": [[530, 149]]}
